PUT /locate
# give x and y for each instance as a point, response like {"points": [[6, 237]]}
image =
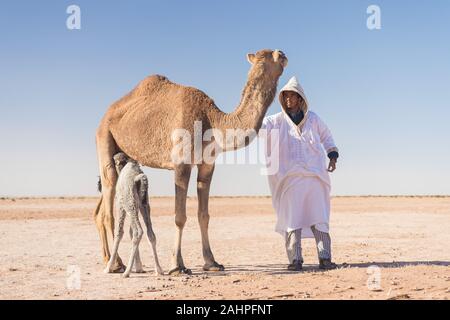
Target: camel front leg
{"points": [[182, 175], [205, 173]]}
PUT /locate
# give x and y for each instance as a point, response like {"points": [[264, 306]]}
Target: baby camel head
{"points": [[268, 61], [120, 160]]}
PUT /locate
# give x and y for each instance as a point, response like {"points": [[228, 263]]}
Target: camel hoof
{"points": [[106, 270], [139, 268], [180, 270], [126, 275], [213, 267], [118, 269]]}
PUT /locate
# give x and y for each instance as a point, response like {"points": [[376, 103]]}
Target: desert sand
{"points": [[387, 248]]}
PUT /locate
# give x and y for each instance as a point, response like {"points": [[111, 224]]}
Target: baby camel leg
{"points": [[137, 235], [145, 211], [138, 262], [117, 238]]}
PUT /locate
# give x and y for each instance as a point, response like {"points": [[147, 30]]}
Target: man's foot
{"points": [[295, 266], [326, 264]]}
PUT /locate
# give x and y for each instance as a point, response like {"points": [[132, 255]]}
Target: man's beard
{"points": [[296, 117], [293, 113]]}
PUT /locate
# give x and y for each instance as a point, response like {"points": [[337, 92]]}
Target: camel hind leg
{"points": [[106, 148], [144, 208], [137, 262], [118, 237], [145, 211], [98, 218], [137, 236]]}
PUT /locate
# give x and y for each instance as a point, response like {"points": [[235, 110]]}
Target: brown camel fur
{"points": [[141, 125]]}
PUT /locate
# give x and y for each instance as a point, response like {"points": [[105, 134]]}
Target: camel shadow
{"points": [[280, 269]]}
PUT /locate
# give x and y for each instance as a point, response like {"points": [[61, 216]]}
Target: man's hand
{"points": [[332, 165]]}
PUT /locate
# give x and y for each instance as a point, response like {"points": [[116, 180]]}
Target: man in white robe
{"points": [[301, 186]]}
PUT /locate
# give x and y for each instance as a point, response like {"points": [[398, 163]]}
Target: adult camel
{"points": [[142, 123]]}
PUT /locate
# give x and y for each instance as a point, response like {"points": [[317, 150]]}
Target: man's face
{"points": [[293, 101]]}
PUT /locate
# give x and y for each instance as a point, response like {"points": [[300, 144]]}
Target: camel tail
{"points": [[99, 185], [99, 204]]}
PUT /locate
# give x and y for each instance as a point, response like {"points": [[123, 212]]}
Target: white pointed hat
{"points": [[293, 85]]}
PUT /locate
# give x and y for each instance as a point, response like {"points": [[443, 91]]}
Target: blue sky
{"points": [[384, 93]]}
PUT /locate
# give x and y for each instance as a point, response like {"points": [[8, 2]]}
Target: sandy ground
{"points": [[49, 249]]}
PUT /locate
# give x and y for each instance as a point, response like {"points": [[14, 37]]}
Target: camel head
{"points": [[268, 62], [120, 160]]}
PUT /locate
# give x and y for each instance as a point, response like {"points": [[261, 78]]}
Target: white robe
{"points": [[301, 186]]}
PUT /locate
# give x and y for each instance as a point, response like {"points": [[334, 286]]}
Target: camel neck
{"points": [[256, 98], [247, 118]]}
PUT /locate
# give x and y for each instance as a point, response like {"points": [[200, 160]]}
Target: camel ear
{"points": [[277, 55], [251, 58]]}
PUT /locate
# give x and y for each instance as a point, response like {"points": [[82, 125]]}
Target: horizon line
{"points": [[2, 198]]}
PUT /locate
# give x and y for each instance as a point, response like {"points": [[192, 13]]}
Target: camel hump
{"points": [[150, 84], [156, 77]]}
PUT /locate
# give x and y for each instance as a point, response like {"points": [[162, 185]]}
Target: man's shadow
{"points": [[280, 269]]}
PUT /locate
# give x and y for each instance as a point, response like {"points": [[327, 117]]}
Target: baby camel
{"points": [[132, 197]]}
